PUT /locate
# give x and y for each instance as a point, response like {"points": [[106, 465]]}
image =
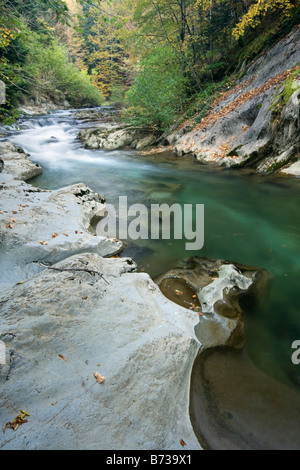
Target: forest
{"points": [[158, 59]]}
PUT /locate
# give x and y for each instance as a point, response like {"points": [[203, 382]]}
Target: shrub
{"points": [[158, 91]]}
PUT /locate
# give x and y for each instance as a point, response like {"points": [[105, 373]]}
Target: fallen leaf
{"points": [[54, 403], [9, 225], [20, 282], [16, 422], [12, 220], [62, 357], [84, 298], [194, 296], [55, 235], [98, 365], [182, 442], [43, 243], [21, 209], [66, 235], [14, 212], [100, 378]]}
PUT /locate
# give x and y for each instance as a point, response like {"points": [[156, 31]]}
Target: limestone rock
{"points": [[212, 289], [50, 226], [115, 137], [293, 169], [145, 142], [58, 327], [229, 278], [17, 162], [242, 129]]}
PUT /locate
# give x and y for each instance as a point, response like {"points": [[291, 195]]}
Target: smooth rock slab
{"points": [[145, 344], [46, 226]]}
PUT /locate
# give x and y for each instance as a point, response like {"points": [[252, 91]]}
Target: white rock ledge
{"points": [[145, 344], [58, 326]]}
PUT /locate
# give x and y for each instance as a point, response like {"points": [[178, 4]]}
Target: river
{"points": [[249, 218]]}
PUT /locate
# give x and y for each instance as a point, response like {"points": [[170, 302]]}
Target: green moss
{"points": [[284, 96], [242, 74], [275, 167], [233, 152]]}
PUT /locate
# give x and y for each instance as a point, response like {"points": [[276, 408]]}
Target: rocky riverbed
{"points": [[102, 357]]}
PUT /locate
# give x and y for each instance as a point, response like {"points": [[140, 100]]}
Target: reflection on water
{"points": [[250, 219]]}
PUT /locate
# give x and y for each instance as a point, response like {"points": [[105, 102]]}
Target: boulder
{"points": [[17, 163], [61, 327], [115, 137], [145, 142], [213, 289]]}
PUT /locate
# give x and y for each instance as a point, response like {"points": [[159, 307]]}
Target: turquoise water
{"points": [[251, 219]]}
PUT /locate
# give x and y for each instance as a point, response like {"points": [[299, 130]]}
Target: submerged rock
{"points": [[235, 406]]}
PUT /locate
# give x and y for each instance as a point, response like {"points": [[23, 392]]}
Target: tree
{"points": [[158, 92], [258, 9]]}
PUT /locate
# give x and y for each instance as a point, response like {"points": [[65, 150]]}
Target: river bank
{"points": [[60, 327], [253, 123]]}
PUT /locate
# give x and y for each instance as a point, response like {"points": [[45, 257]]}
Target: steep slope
{"points": [[256, 123]]}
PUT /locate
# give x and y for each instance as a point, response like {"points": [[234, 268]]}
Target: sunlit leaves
{"points": [[260, 8]]}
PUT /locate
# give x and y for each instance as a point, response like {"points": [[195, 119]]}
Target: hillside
{"points": [[254, 124]]}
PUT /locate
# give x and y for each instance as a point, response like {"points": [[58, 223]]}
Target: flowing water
{"points": [[250, 219]]}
